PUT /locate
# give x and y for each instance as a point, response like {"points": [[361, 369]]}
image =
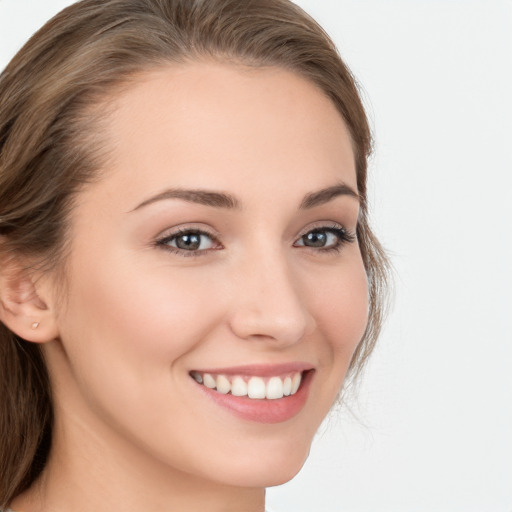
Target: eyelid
{"points": [[190, 227], [172, 233], [344, 236], [325, 226]]}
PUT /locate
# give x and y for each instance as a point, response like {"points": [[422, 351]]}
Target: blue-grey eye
{"points": [[319, 238], [190, 241]]}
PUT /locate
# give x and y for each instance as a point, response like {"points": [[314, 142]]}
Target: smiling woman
{"points": [[188, 275]]}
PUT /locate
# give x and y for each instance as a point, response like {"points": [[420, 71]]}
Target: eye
{"points": [[191, 241], [325, 238]]}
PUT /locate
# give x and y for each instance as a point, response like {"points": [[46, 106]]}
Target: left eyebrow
{"points": [[327, 194]]}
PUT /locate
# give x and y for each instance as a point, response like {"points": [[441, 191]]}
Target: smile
{"points": [[253, 387], [258, 393]]}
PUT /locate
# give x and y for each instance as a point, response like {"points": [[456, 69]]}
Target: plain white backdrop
{"points": [[431, 429]]}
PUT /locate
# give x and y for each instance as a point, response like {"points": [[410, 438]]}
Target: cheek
{"points": [[148, 313], [340, 310], [339, 303], [126, 333]]}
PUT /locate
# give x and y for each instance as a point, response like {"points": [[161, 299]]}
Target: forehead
{"points": [[219, 125]]}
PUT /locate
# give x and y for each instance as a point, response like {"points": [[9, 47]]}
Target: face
{"points": [[216, 286]]}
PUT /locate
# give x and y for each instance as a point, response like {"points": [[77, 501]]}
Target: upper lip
{"points": [[261, 370]]}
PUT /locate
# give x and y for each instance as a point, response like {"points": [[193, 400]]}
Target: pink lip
{"points": [[262, 411], [260, 370]]}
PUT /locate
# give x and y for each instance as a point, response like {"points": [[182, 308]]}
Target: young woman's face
{"points": [[219, 246]]}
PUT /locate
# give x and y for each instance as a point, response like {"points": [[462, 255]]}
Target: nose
{"points": [[268, 303]]}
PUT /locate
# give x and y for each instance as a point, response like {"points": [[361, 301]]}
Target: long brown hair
{"points": [[52, 96]]}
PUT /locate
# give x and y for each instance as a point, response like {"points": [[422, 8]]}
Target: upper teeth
{"points": [[253, 387]]}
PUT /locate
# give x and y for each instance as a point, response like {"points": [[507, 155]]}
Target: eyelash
{"points": [[343, 237], [164, 242]]}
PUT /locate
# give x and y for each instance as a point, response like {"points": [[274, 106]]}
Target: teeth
{"points": [[274, 388], [295, 383], [287, 386], [223, 385], [197, 377], [209, 381], [239, 387], [258, 388]]}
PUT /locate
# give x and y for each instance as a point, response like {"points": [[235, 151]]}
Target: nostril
{"points": [[272, 326]]}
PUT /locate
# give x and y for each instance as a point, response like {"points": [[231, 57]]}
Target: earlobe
{"points": [[23, 308]]}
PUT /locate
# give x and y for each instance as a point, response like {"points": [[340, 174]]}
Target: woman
{"points": [[187, 271]]}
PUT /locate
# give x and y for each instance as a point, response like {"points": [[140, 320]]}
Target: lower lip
{"points": [[264, 410]]}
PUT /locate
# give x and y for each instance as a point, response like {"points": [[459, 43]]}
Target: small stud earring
{"points": [[35, 325]]}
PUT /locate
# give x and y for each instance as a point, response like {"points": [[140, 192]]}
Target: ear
{"points": [[25, 302]]}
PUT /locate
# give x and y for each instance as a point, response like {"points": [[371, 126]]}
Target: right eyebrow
{"points": [[205, 197]]}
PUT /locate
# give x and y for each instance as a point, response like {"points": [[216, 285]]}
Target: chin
{"points": [[266, 475], [266, 467]]}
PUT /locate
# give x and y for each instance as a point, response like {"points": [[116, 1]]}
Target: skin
{"points": [[132, 431]]}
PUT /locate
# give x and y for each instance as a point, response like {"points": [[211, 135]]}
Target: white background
{"points": [[431, 428]]}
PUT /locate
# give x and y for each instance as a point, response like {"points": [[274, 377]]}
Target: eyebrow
{"points": [[224, 200], [205, 197], [327, 194]]}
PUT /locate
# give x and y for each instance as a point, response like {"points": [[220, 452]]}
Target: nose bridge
{"points": [[268, 303]]}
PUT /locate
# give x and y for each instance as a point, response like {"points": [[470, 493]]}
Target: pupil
{"points": [[315, 239], [188, 242]]}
